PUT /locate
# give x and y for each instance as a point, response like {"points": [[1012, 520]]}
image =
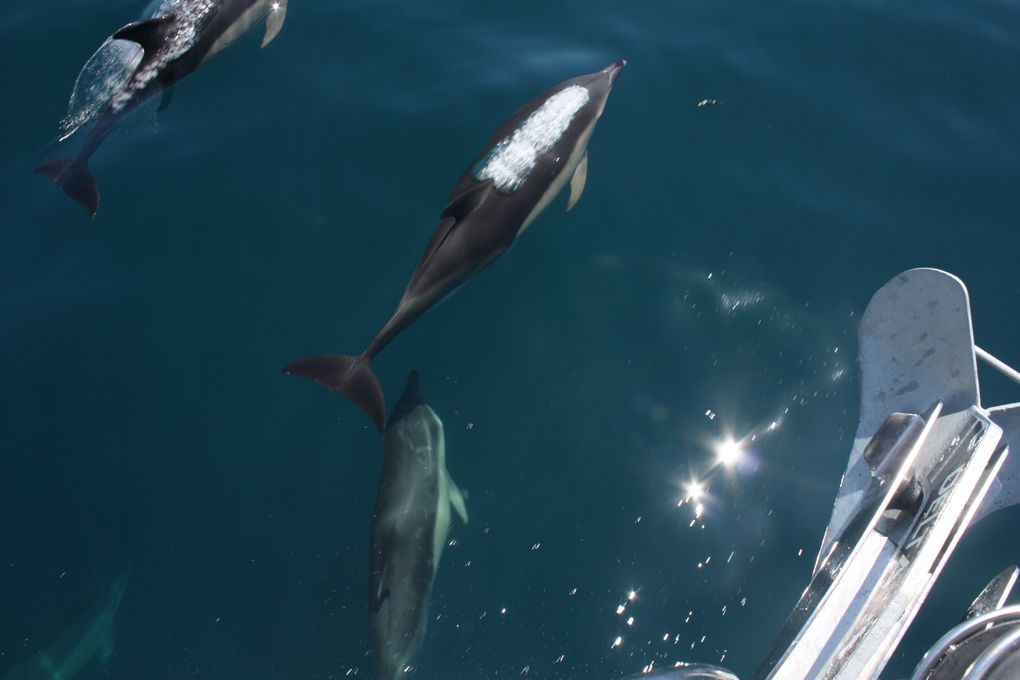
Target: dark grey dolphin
{"points": [[529, 160], [181, 37], [409, 529]]}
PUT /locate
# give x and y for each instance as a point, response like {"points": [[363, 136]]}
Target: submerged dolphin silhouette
{"points": [[409, 529], [175, 43], [86, 639], [526, 164]]}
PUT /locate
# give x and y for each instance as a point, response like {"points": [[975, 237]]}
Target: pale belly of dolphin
{"points": [[561, 179]]}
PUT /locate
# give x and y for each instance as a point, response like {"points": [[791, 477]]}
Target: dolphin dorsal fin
{"points": [[577, 181], [149, 33], [459, 207], [409, 400], [465, 202], [274, 21]]}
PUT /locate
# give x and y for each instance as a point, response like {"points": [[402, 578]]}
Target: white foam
{"points": [[513, 159]]}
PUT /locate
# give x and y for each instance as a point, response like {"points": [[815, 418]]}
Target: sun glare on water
{"points": [[728, 453]]}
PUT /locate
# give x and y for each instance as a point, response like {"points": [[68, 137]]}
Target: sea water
{"points": [[760, 170]]}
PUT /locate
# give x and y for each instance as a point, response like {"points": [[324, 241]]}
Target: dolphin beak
{"points": [[613, 71]]}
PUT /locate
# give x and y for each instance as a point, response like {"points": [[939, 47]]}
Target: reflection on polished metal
{"points": [[1001, 662], [983, 648], [692, 671], [927, 461]]}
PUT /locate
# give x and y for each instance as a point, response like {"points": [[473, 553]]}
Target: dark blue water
{"points": [[718, 262]]}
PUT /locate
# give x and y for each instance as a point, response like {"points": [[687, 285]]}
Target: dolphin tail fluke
{"points": [[352, 377], [73, 176]]}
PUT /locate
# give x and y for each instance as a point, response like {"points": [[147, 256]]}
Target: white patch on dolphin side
{"points": [[512, 160], [190, 16], [103, 76]]}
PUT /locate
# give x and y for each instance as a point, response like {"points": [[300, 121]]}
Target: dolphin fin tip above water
{"points": [[274, 21], [351, 376], [73, 176]]}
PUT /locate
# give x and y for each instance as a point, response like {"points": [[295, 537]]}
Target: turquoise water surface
{"points": [[760, 170]]}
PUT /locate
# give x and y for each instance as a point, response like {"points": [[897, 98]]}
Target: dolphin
{"points": [[182, 36], [409, 529], [530, 159], [72, 650]]}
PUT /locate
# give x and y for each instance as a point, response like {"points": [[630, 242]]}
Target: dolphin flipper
{"points": [[381, 592], [456, 498], [577, 181], [352, 377], [274, 22]]}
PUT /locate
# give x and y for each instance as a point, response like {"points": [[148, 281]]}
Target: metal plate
{"points": [[916, 348]]}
